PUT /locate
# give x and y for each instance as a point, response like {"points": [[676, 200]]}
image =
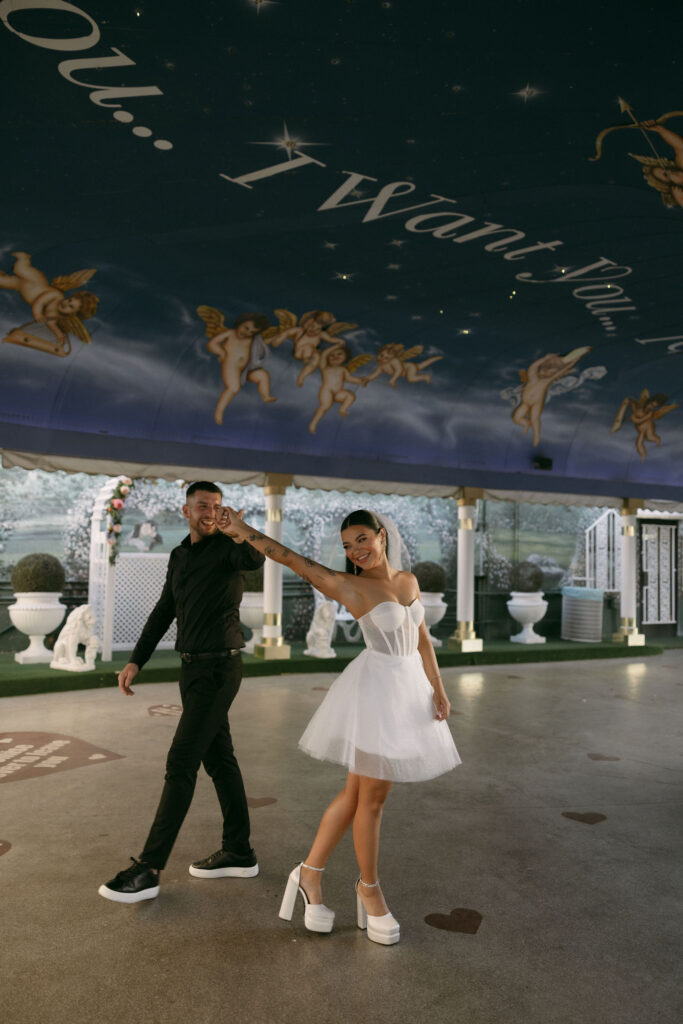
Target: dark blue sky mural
{"points": [[385, 240]]}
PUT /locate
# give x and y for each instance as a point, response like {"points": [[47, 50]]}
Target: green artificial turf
{"points": [[163, 667]]}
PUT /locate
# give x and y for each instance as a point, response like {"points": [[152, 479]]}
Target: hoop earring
{"points": [[355, 570]]}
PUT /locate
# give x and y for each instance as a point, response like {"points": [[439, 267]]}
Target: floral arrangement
{"points": [[115, 513]]}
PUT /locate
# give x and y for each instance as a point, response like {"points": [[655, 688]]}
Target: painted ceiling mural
{"points": [[403, 241]]}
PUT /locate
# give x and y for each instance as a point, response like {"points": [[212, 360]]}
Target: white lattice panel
{"points": [[138, 580], [603, 552]]}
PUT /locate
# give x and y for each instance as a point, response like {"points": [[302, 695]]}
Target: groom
{"points": [[203, 590]]}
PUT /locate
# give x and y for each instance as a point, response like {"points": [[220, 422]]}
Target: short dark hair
{"points": [[362, 517], [203, 485]]}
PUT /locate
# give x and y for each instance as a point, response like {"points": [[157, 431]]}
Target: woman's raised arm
{"points": [[339, 586]]}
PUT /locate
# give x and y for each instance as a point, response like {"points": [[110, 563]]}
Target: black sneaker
{"points": [[223, 864], [138, 882]]}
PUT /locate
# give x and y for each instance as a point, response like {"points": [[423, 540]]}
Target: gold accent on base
{"points": [[465, 639], [466, 524], [273, 649], [272, 619], [628, 634]]}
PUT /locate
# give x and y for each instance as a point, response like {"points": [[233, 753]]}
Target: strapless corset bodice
{"points": [[392, 628]]}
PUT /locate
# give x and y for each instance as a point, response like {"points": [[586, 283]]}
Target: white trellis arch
{"points": [[122, 595]]}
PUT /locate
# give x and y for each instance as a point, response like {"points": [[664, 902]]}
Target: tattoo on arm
{"points": [[253, 536], [269, 550], [309, 563]]}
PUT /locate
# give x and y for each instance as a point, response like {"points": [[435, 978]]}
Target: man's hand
{"points": [[225, 521], [126, 677]]}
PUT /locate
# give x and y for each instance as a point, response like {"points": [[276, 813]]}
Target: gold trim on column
{"points": [[628, 530], [273, 515], [466, 524], [277, 483], [469, 495], [628, 634], [273, 649], [465, 639], [272, 619]]}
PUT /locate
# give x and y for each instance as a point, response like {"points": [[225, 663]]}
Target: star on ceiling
{"points": [[391, 298], [398, 242], [357, 193], [393, 266], [339, 276], [288, 143], [416, 316], [330, 245], [528, 92]]}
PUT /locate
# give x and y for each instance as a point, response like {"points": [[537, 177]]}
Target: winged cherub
{"points": [[307, 333], [644, 411], [241, 350], [335, 373], [49, 304], [536, 380], [394, 360]]}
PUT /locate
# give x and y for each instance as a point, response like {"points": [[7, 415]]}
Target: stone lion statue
{"points": [[78, 629], [319, 636]]}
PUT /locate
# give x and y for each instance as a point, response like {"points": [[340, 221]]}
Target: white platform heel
{"points": [[317, 917], [384, 929]]}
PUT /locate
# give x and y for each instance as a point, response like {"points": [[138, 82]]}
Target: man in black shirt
{"points": [[203, 590]]}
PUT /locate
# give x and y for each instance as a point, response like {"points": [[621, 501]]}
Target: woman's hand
{"points": [[228, 522], [442, 706]]}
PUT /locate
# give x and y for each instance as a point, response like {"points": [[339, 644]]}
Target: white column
{"points": [[628, 627], [273, 645], [465, 638]]}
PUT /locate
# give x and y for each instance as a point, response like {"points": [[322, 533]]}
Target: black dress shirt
{"points": [[203, 590]]}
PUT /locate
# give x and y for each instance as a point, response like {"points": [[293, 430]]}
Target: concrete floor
{"points": [[580, 921]]}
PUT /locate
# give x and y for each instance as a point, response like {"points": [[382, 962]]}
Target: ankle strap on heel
{"points": [[309, 867], [368, 885]]}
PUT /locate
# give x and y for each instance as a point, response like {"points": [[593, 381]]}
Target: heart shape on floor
{"points": [[588, 817], [459, 920], [602, 757], [260, 801]]}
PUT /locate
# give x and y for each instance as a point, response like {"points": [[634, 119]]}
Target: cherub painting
{"points": [[394, 361], [50, 306], [644, 411], [241, 350], [306, 334], [535, 383], [660, 172], [335, 373]]}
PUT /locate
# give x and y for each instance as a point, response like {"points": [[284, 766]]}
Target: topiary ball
{"points": [[38, 572], [431, 577], [526, 578]]}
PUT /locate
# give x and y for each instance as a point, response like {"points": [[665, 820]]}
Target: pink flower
{"points": [[124, 489], [126, 480], [116, 503]]}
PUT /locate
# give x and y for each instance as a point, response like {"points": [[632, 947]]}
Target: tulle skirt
{"points": [[378, 720]]}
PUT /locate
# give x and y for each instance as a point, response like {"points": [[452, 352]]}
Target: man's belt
{"points": [[209, 655]]}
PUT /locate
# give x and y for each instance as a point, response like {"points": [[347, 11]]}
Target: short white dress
{"points": [[378, 717]]}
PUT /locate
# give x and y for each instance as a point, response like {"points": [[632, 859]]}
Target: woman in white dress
{"points": [[384, 717]]}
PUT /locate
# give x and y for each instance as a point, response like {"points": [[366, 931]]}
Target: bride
{"points": [[384, 717]]}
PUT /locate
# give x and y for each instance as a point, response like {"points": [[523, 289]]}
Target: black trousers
{"points": [[207, 689]]}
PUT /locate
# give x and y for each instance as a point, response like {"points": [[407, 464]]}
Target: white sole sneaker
{"points": [[128, 897], [224, 872]]}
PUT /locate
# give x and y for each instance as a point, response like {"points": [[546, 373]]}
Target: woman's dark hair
{"points": [[362, 517]]}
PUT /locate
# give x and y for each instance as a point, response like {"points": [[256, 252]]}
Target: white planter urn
{"points": [[251, 614], [36, 613], [527, 609], [435, 609]]}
